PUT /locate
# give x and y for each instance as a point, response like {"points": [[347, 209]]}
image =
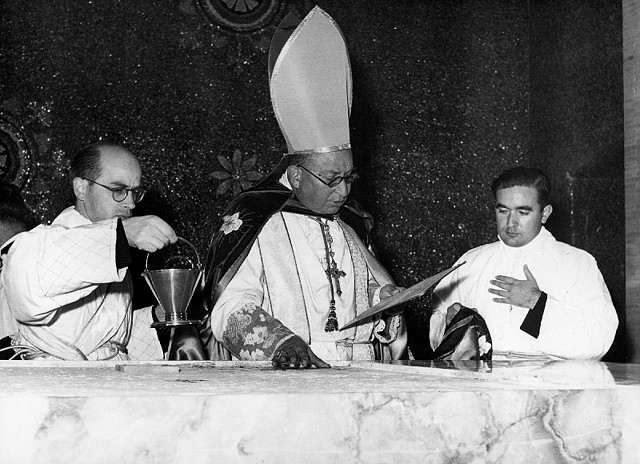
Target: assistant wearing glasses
{"points": [[333, 183], [119, 194]]}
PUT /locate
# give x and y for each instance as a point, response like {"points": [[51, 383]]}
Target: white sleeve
{"points": [[581, 323], [246, 287], [52, 266], [446, 293]]}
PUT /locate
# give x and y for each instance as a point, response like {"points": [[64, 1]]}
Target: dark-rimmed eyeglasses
{"points": [[119, 194], [333, 183]]}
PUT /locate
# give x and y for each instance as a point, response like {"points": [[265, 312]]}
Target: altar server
{"points": [[66, 285], [539, 297]]}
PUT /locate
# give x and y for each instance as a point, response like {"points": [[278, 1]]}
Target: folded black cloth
{"points": [[463, 338]]}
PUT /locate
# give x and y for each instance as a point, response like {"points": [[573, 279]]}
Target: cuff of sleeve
{"points": [[386, 329], [375, 299], [123, 253], [437, 324], [532, 322], [252, 334]]}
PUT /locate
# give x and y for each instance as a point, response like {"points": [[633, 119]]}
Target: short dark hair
{"points": [[521, 176], [13, 208], [299, 158], [87, 162]]}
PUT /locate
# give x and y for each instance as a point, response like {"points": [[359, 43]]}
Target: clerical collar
{"points": [[532, 245]]}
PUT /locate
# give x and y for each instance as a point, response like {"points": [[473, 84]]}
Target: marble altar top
{"points": [[68, 378], [358, 412]]}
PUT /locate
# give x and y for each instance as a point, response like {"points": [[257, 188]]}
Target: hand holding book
{"points": [[402, 296]]}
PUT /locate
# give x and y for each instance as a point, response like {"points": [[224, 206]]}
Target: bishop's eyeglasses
{"points": [[119, 194], [333, 183]]}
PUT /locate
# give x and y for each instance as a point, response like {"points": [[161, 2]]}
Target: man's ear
{"points": [[79, 187], [546, 212], [293, 174]]}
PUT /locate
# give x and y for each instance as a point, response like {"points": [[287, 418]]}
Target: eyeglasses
{"points": [[333, 183], [119, 194]]}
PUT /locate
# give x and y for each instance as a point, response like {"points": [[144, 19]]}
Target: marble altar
{"points": [[410, 412]]}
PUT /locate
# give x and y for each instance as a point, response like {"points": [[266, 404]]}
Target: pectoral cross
{"points": [[333, 274], [332, 267]]}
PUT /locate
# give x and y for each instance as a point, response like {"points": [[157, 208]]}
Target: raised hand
{"points": [[390, 290], [148, 233], [523, 293]]}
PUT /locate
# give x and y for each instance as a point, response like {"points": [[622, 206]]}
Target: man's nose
{"points": [[512, 220], [128, 201], [343, 189]]}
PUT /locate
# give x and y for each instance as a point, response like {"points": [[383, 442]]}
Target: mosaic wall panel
{"points": [[442, 98]]}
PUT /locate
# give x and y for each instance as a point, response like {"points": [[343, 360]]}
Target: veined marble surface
{"points": [[416, 412]]}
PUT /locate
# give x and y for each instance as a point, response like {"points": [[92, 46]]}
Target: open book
{"points": [[402, 296]]}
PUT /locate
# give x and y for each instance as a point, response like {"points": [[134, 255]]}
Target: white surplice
{"points": [[307, 269], [579, 320], [64, 292]]}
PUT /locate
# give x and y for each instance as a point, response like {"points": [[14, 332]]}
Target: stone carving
{"points": [[240, 15], [16, 152]]}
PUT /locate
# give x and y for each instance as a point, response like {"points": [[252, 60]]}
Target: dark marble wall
{"points": [[446, 95], [577, 131], [631, 77]]}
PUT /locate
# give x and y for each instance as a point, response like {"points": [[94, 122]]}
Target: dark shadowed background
{"points": [[447, 94]]}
